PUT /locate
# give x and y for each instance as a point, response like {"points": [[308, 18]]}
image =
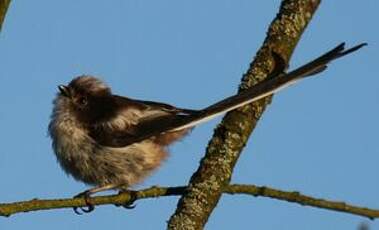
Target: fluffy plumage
{"points": [[88, 109]]}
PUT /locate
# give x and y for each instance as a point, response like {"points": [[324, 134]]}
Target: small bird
{"points": [[114, 142]]}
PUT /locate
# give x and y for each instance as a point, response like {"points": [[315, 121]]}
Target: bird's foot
{"points": [[130, 204], [89, 206]]}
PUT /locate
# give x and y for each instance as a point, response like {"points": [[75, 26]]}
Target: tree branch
{"points": [[4, 4], [215, 170], [8, 209]]}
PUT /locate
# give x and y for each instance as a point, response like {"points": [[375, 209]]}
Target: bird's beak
{"points": [[65, 91]]}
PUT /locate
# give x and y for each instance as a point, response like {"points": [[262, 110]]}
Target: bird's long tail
{"points": [[263, 89]]}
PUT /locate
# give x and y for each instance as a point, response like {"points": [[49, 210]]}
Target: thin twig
{"points": [[4, 4], [8, 209]]}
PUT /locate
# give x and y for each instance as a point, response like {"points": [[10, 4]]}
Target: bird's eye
{"points": [[83, 101]]}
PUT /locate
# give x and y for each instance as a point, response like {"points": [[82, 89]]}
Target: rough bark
{"points": [[215, 170]]}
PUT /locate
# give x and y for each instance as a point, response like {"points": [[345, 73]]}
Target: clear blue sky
{"points": [[319, 137]]}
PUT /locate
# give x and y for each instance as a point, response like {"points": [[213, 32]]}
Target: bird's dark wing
{"points": [[137, 120], [166, 107]]}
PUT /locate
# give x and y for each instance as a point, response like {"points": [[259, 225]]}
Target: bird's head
{"points": [[86, 96]]}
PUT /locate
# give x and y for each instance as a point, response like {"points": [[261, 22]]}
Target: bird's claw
{"points": [[130, 204], [89, 205]]}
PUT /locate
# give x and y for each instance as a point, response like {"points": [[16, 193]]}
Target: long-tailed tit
{"points": [[114, 142]]}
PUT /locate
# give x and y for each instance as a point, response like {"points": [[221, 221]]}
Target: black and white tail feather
{"points": [[263, 89], [269, 86]]}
